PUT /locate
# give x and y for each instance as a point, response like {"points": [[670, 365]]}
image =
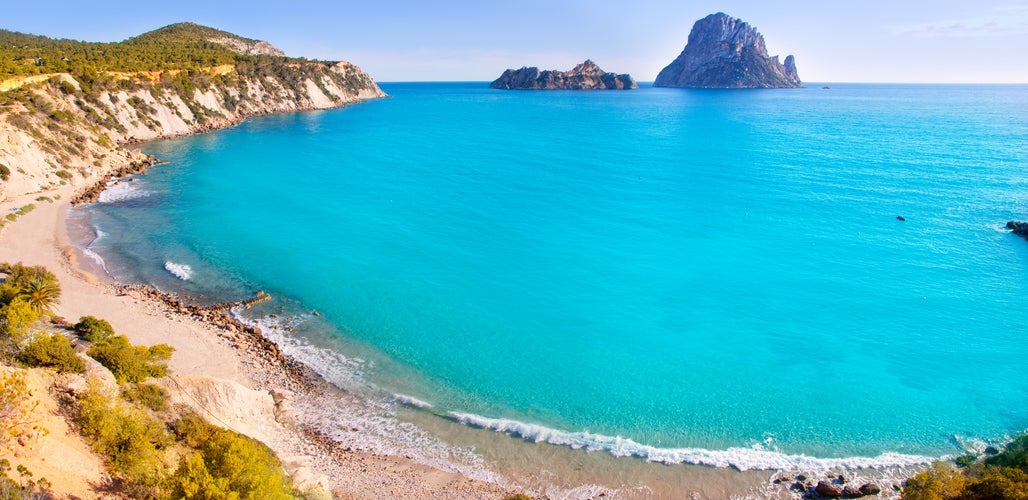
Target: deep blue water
{"points": [[681, 268]]}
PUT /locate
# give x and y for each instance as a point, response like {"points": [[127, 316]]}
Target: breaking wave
{"points": [[181, 271], [122, 191], [756, 457]]}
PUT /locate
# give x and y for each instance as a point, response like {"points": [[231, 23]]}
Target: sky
{"points": [[945, 41]]}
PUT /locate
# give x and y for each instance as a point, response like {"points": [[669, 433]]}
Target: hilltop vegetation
{"points": [[67, 107], [182, 46]]}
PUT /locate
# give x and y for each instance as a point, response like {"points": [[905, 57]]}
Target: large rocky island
{"points": [[725, 52], [585, 76]]}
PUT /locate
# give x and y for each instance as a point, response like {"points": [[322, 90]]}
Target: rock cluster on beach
{"points": [[725, 52], [828, 487], [585, 76]]}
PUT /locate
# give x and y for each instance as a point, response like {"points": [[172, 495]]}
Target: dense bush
{"points": [[148, 395], [94, 329], [15, 318], [226, 465], [131, 363], [5, 173], [1004, 476], [52, 350], [128, 438]]}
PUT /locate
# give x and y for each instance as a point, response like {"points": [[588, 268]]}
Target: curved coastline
{"points": [[619, 448], [746, 466]]}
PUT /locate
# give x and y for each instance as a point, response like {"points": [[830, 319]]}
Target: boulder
{"points": [[870, 489], [850, 491], [828, 490]]}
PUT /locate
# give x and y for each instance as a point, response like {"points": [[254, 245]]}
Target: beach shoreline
{"points": [[247, 357], [205, 349]]}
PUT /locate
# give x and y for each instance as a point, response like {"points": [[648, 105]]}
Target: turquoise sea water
{"points": [[684, 275]]}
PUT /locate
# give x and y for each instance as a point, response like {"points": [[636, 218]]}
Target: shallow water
{"points": [[712, 277]]}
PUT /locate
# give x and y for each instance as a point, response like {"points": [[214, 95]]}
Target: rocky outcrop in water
{"points": [[1019, 228], [585, 76], [725, 52]]}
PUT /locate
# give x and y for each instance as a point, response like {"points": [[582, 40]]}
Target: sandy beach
{"points": [[203, 352]]}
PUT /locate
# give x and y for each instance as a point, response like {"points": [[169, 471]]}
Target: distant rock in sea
{"points": [[585, 76], [725, 52], [1019, 228]]}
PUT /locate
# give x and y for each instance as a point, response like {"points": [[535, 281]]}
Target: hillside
{"points": [[68, 107]]}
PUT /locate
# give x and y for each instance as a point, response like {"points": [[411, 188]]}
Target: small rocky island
{"points": [[1019, 228], [725, 52], [585, 76]]}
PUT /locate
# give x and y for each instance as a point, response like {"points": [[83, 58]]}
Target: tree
{"points": [[52, 351], [94, 329], [41, 294], [15, 319], [131, 363]]}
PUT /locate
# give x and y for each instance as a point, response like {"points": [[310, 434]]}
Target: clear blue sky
{"points": [[402, 40]]}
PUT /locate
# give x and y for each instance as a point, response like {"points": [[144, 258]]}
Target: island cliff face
{"points": [[61, 127], [585, 76], [725, 52]]}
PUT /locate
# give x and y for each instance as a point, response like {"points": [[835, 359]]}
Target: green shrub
{"points": [[131, 441], [23, 488], [15, 319], [1014, 455], [149, 395], [131, 363], [52, 351], [5, 173], [941, 482], [94, 329], [226, 465], [63, 174]]}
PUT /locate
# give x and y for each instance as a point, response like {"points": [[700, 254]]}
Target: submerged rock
{"points": [[585, 76], [725, 52]]}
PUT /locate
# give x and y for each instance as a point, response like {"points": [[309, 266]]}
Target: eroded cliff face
{"points": [[585, 76], [53, 132], [725, 52]]}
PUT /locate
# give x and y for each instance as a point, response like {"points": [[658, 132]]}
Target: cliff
{"points": [[70, 126], [585, 76], [725, 52]]}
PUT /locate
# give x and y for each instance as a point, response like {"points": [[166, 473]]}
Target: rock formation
{"points": [[725, 52], [1019, 228], [585, 76]]}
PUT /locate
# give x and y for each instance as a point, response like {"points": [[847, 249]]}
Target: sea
{"points": [[746, 279]]}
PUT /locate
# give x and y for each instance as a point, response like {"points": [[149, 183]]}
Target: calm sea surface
{"points": [[657, 273]]}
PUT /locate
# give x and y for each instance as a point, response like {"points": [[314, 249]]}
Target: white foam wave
{"points": [[411, 401], [96, 258], [181, 271], [740, 458], [360, 418], [122, 191]]}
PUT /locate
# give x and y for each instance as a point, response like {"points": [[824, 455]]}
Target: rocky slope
{"points": [[725, 52], [585, 76], [62, 128]]}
